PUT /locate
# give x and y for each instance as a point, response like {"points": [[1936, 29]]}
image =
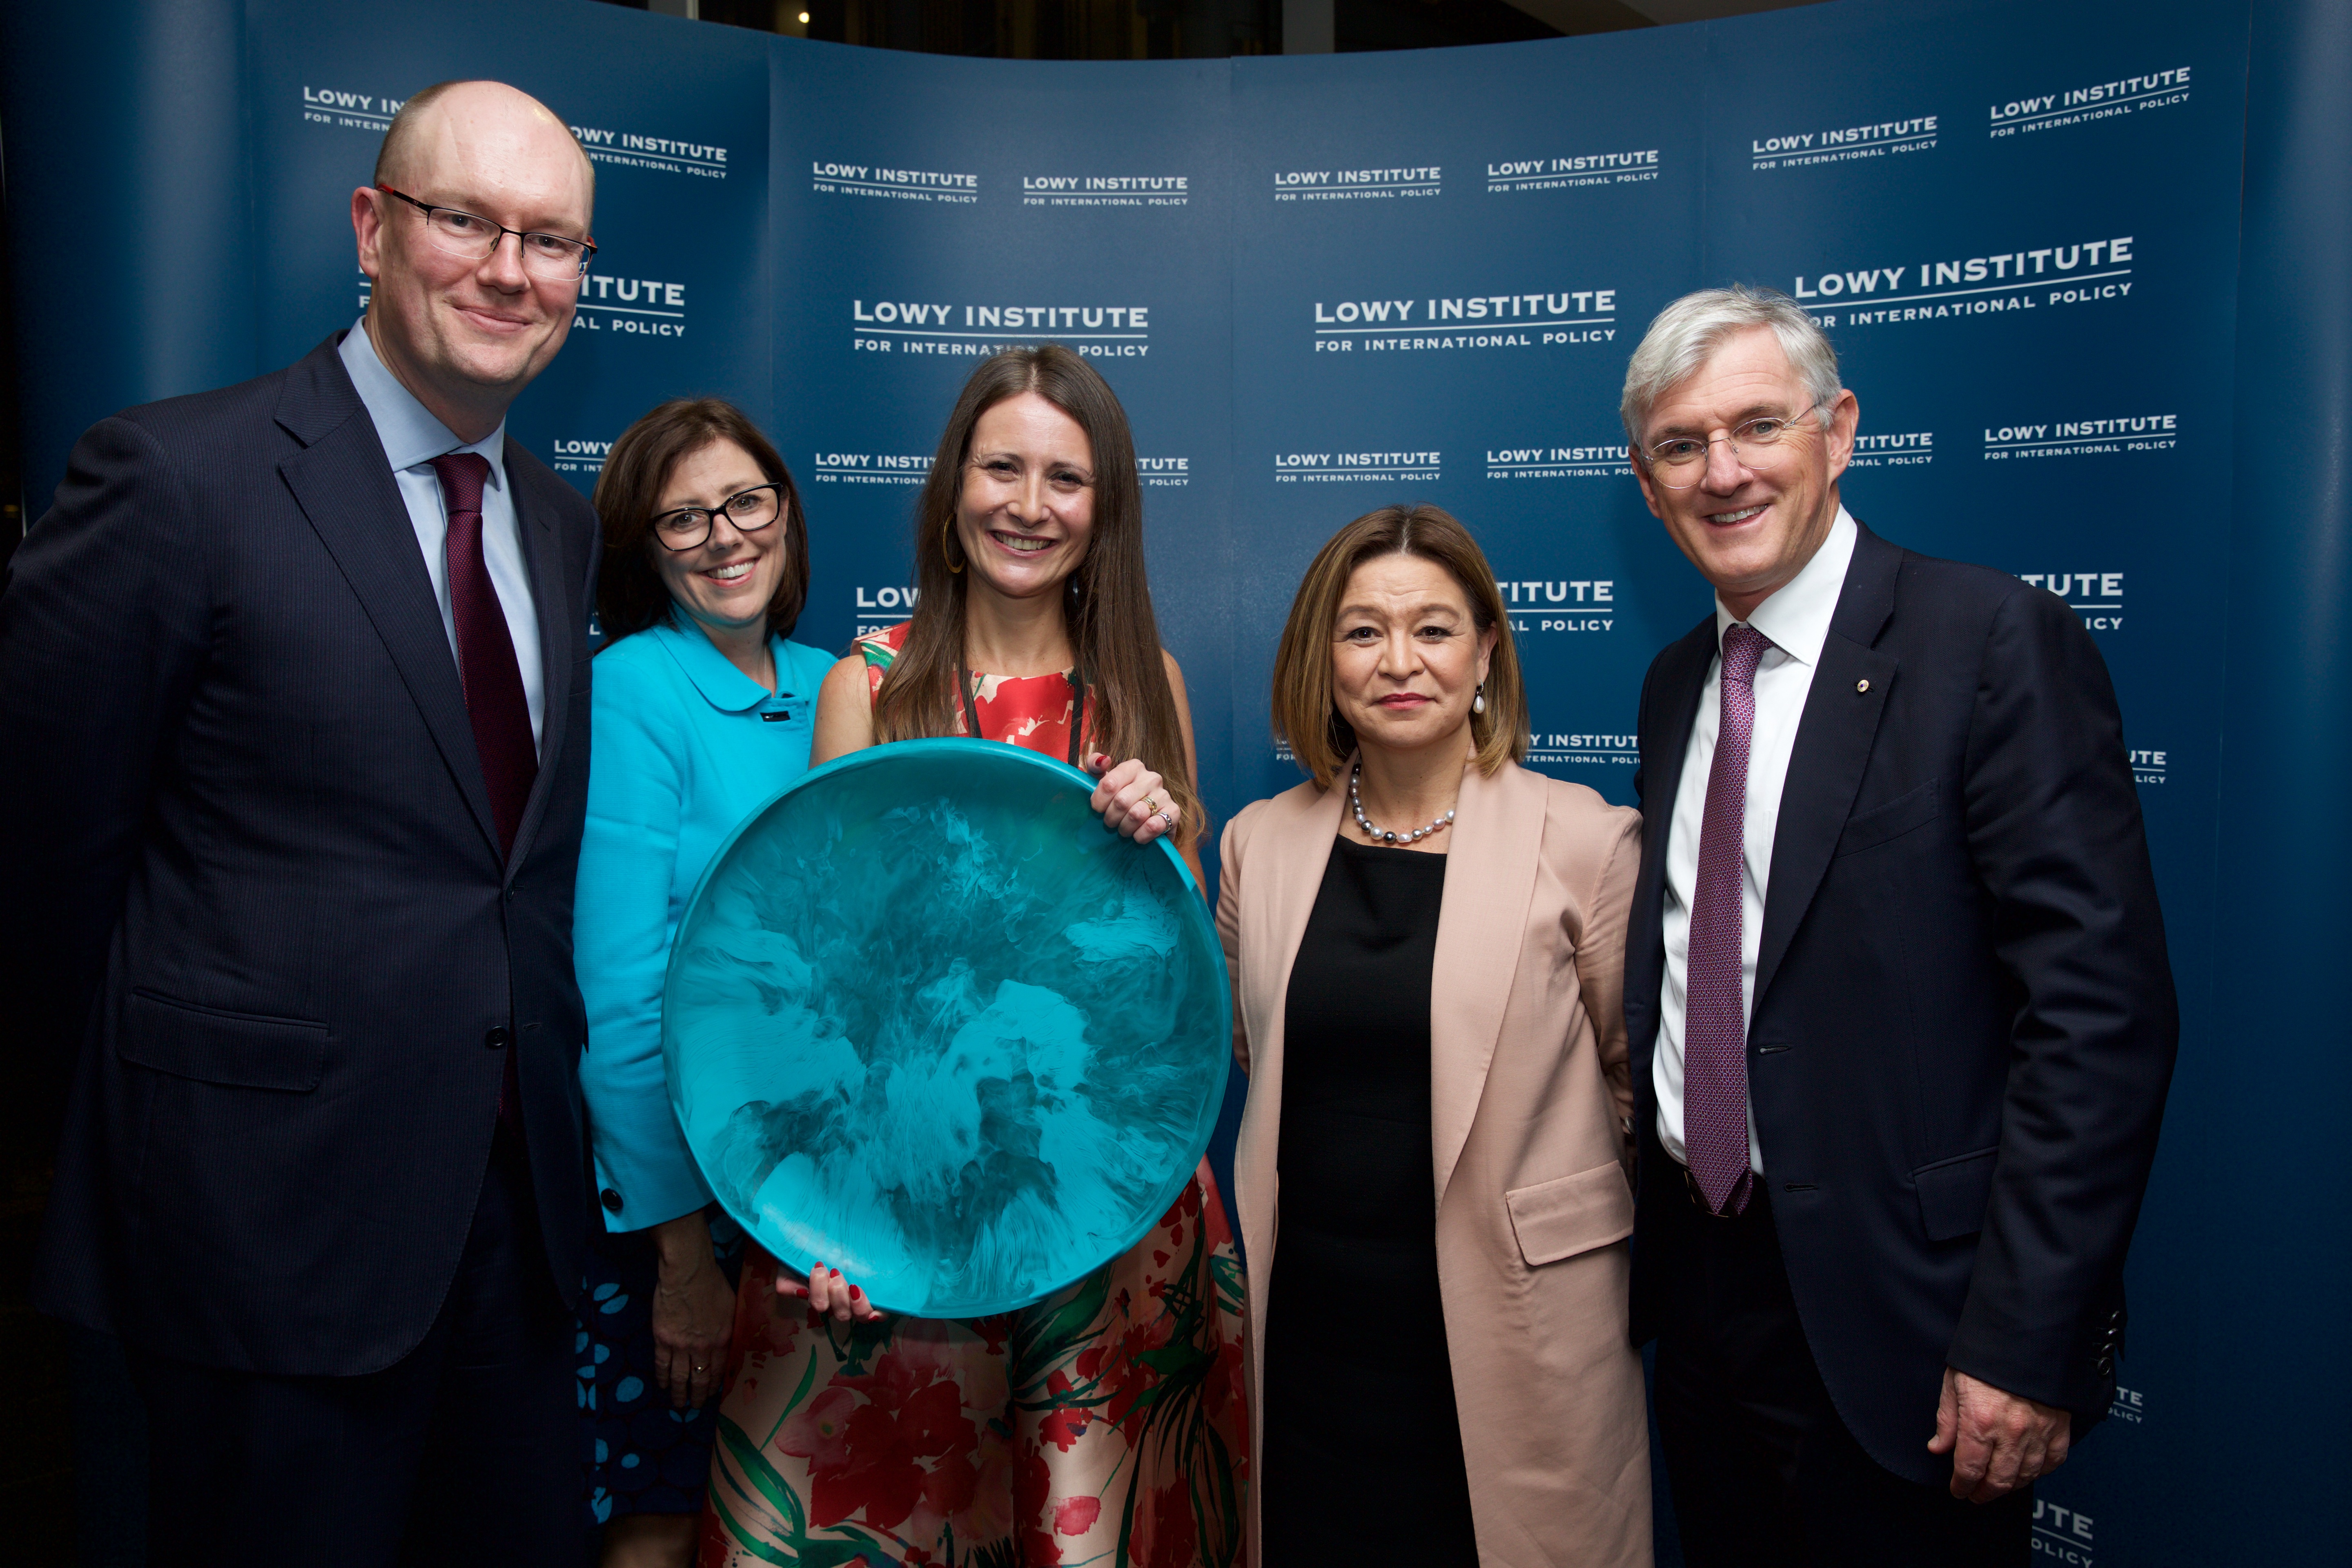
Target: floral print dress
{"points": [[1104, 1424]]}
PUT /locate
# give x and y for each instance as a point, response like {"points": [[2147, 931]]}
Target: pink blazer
{"points": [[1530, 1093]]}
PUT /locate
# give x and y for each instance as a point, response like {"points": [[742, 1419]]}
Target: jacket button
{"points": [[498, 1039], [612, 1200], [2107, 1363]]}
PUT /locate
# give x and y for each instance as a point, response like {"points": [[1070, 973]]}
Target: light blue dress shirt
{"points": [[684, 746], [412, 438]]}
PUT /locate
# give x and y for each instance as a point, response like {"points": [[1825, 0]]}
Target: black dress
{"points": [[1363, 1450]]}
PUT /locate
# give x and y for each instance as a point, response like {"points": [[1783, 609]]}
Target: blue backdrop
{"points": [[1322, 284]]}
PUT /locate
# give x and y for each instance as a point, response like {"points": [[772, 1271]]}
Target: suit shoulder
{"points": [[1578, 805], [1946, 606], [546, 485], [1581, 828], [1273, 808], [202, 418], [1986, 584]]}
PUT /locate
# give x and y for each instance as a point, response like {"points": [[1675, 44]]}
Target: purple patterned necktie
{"points": [[486, 655], [495, 702], [1715, 1015]]}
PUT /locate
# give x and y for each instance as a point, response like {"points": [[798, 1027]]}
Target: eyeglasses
{"points": [[748, 512], [1680, 461], [553, 257]]}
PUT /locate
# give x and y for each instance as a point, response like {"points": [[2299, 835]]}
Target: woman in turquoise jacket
{"points": [[703, 710]]}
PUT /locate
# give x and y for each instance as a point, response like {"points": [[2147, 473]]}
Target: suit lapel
{"points": [[1490, 876], [1290, 899], [1681, 682], [1833, 747], [1671, 712], [344, 484], [560, 629]]}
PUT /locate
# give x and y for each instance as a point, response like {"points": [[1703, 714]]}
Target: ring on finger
{"points": [[1151, 805], [1167, 821]]}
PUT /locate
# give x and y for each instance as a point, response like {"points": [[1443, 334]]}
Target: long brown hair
{"points": [[630, 594], [1304, 713], [1106, 604]]}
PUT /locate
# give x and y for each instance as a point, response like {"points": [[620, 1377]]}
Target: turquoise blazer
{"points": [[684, 746]]}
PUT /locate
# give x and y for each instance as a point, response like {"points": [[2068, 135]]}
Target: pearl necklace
{"points": [[1376, 834]]}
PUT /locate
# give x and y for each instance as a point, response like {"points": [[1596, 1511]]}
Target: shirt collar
{"points": [[1796, 616], [411, 436], [722, 684]]}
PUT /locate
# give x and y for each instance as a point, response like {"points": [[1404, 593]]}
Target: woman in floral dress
{"points": [[1104, 1424]]}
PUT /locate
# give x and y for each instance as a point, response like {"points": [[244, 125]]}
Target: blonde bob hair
{"points": [[1306, 716]]}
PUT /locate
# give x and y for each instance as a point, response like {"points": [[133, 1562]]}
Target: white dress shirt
{"points": [[1796, 620], [412, 438]]}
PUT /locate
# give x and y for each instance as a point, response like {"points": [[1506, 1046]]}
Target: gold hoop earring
{"points": [[947, 533]]}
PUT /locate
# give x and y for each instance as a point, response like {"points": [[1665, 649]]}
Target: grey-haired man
{"points": [[1901, 1014]]}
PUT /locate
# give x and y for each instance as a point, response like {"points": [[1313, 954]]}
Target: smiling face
{"points": [[1407, 656], [1750, 526], [727, 581], [466, 336], [1026, 511]]}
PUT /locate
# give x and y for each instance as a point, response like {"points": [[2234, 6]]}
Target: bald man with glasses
{"points": [[294, 677]]}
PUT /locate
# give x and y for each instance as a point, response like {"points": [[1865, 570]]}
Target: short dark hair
{"points": [[630, 594]]}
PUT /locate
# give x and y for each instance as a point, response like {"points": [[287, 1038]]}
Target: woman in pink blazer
{"points": [[1426, 943]]}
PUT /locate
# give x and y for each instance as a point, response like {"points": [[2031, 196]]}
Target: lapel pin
{"points": [[1862, 686]]}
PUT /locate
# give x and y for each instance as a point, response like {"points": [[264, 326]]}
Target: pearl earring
{"points": [[1478, 698]]}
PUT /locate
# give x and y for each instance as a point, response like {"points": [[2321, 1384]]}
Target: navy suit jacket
{"points": [[254, 876], [1963, 1024]]}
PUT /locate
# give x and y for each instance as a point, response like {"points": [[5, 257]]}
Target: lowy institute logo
{"points": [[2087, 102], [892, 184], [947, 327], [1466, 321], [2082, 272]]}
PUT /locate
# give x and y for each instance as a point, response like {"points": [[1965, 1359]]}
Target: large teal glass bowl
{"points": [[929, 1022]]}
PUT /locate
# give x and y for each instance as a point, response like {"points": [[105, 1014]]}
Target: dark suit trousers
{"points": [[465, 1451], [1764, 1473]]}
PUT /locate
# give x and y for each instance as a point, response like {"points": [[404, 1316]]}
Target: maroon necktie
{"points": [[493, 681], [486, 655], [1714, 1015]]}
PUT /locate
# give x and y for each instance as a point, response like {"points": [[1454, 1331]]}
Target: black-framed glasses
{"points": [[747, 512], [553, 257], [1678, 462]]}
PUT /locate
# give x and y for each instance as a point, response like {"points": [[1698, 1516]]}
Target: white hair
{"points": [[1686, 333]]}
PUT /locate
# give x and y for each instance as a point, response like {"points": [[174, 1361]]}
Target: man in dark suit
{"points": [[1901, 1016], [294, 678]]}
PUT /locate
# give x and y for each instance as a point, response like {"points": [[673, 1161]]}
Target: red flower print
{"points": [[817, 1430], [879, 1476], [948, 1489], [1077, 1515], [1032, 1482], [1063, 1429], [1170, 1537], [932, 1421]]}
